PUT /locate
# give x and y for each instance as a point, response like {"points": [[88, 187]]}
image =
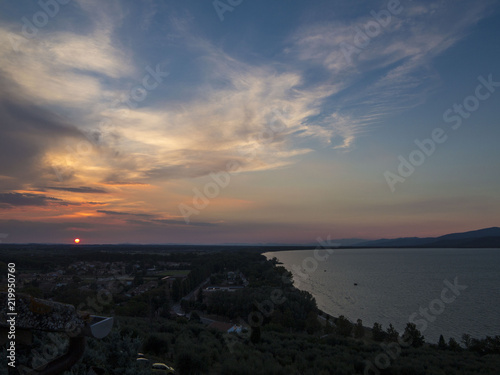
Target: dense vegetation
{"points": [[284, 331]]}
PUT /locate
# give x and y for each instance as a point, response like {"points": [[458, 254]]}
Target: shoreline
{"points": [[322, 313]]}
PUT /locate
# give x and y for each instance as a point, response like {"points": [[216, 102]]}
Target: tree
{"points": [[312, 323], [478, 346], [328, 328], [277, 317], [378, 333], [288, 320], [344, 326], [116, 353], [76, 279], [195, 317], [134, 307], [359, 330], [454, 345], [442, 343], [32, 291], [138, 280], [466, 340], [255, 335], [199, 296], [176, 290], [392, 334], [156, 345], [189, 363], [411, 331]]}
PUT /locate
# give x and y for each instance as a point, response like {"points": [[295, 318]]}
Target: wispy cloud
{"points": [[26, 199], [393, 70], [226, 116], [82, 189], [148, 219], [65, 69], [122, 213], [183, 223], [236, 101]]}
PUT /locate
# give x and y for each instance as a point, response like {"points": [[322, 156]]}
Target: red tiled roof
{"points": [[221, 326]]}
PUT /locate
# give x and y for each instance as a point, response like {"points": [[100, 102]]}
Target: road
{"points": [[176, 308]]}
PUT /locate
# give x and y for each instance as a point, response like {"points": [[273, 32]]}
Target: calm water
{"points": [[392, 284]]}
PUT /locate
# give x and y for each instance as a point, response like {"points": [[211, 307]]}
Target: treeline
{"points": [[486, 346], [193, 348]]}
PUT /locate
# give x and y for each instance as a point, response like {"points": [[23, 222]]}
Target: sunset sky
{"points": [[258, 122]]}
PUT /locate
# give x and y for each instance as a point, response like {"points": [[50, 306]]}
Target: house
{"points": [[225, 327]]}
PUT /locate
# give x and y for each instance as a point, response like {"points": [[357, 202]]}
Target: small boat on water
{"points": [[355, 284]]}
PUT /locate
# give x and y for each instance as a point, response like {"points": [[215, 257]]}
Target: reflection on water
{"points": [[389, 285]]}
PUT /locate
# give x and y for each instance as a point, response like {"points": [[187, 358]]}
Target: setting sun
{"points": [[77, 240]]}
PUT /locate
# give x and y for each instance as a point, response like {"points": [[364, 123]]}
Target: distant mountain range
{"points": [[482, 238], [488, 237]]}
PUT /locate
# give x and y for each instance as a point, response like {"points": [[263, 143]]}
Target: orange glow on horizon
{"points": [[77, 240]]}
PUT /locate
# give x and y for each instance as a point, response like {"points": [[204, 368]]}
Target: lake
{"points": [[443, 291]]}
